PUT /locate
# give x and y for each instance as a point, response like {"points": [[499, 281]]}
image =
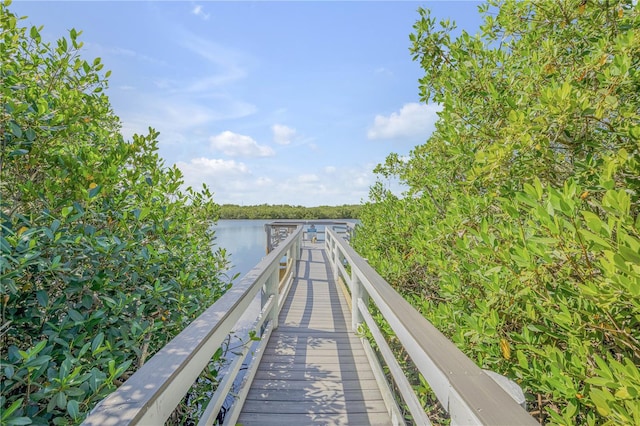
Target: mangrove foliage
{"points": [[104, 257], [518, 234]]}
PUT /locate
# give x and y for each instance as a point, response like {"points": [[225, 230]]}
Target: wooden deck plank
{"points": [[314, 369], [310, 385], [321, 419], [311, 406], [290, 394], [336, 376], [308, 367]]}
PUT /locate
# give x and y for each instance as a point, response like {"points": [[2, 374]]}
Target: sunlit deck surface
{"points": [[314, 369]]}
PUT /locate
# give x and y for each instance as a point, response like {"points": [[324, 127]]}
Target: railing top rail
{"points": [[427, 346], [139, 395], [325, 222]]}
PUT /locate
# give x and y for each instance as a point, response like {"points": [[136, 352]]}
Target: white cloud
{"points": [[308, 178], [107, 53], [214, 172], [235, 145], [223, 64], [383, 70], [283, 135], [198, 10], [239, 183], [215, 166], [177, 117], [412, 121], [329, 186], [264, 181], [182, 106]]}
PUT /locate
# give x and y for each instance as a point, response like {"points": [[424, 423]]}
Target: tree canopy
{"points": [[285, 211], [104, 257], [519, 232]]}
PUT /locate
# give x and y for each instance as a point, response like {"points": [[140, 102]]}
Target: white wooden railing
{"points": [[153, 392], [470, 395], [278, 230]]}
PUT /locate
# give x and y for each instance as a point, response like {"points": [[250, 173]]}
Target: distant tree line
{"points": [[285, 211]]}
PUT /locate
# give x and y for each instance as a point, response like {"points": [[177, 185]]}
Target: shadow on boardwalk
{"points": [[314, 370]]}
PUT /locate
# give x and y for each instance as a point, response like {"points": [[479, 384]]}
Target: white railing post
{"points": [[270, 288], [358, 292], [293, 254], [335, 253], [296, 252]]}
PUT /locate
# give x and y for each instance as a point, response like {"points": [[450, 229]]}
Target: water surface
{"points": [[245, 240]]}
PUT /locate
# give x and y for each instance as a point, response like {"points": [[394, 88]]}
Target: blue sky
{"points": [[266, 102]]}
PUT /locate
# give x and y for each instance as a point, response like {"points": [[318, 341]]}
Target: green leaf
{"points": [[61, 400], [143, 213], [94, 191], [83, 350], [571, 409], [14, 406], [74, 392], [73, 409], [600, 381], [97, 341], [9, 371], [593, 221], [66, 211], [604, 368], [629, 254], [601, 400], [623, 393], [39, 347], [34, 34], [18, 152], [43, 298], [15, 129], [30, 134], [590, 236], [76, 316], [17, 421], [522, 359], [37, 361]]}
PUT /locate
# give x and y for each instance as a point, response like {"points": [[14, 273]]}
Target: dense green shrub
{"points": [[104, 257], [519, 232]]}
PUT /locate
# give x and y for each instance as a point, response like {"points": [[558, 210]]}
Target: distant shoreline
{"points": [[285, 211]]}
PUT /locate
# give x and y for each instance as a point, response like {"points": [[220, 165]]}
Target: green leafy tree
{"points": [[285, 211], [519, 231], [104, 257]]}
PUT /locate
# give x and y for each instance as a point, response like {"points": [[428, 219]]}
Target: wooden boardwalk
{"points": [[314, 370]]}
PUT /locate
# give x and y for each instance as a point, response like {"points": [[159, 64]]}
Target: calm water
{"points": [[244, 240]]}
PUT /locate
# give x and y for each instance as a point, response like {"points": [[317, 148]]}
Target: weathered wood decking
{"points": [[314, 369]]}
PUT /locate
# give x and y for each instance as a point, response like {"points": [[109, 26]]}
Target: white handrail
{"points": [[469, 394], [152, 393]]}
